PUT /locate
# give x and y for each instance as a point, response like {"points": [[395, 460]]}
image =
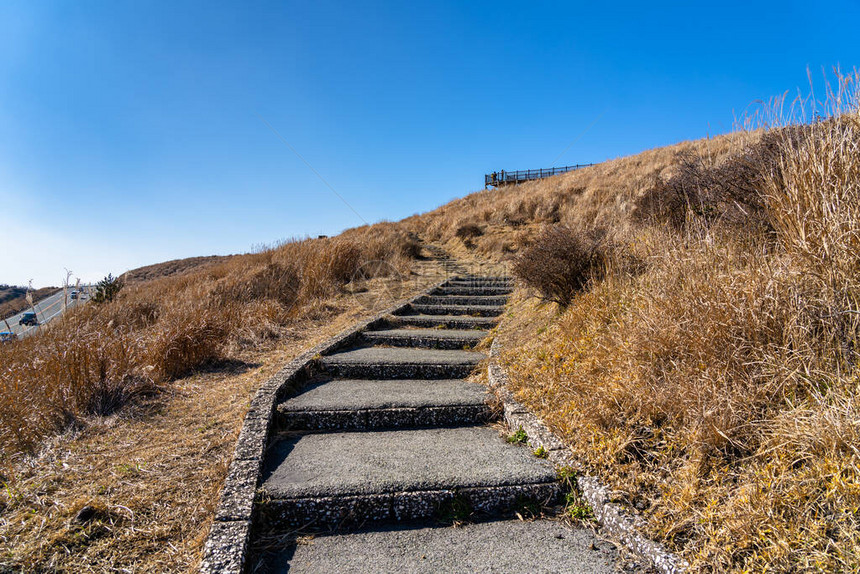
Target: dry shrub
{"points": [[683, 385], [180, 346], [334, 265], [268, 280], [561, 262], [813, 203], [469, 231], [135, 314], [52, 381], [727, 191]]}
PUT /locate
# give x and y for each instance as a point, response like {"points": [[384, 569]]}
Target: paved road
{"points": [[47, 309]]}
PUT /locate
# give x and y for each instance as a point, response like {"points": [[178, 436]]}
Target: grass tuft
{"points": [[518, 437]]}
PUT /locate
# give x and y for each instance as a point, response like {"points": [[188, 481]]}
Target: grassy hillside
{"points": [[691, 325], [101, 356], [169, 268]]}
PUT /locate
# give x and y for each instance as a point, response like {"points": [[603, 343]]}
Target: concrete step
{"points": [[429, 338], [472, 277], [472, 290], [349, 479], [475, 310], [510, 546], [446, 321], [478, 283], [445, 300], [401, 363], [357, 404]]}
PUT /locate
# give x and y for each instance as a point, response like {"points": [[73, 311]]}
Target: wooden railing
{"points": [[503, 177]]}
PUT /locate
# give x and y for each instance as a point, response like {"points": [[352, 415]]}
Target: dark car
{"points": [[8, 337], [28, 318]]}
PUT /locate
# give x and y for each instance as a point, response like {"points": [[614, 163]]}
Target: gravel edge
{"points": [[615, 519], [226, 547]]}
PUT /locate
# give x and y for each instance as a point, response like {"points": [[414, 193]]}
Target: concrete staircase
{"points": [[390, 442]]}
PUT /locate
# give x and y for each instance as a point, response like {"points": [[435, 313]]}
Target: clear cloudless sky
{"points": [[134, 132]]}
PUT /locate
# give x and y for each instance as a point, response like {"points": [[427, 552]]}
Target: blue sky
{"points": [[131, 132]]}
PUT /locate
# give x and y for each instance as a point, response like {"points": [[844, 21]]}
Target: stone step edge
{"points": [[509, 287], [226, 546], [472, 292], [462, 321], [617, 520], [481, 278], [467, 310], [384, 418], [479, 282], [420, 341], [477, 300], [351, 511], [391, 371]]}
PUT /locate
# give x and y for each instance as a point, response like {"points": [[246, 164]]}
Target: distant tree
{"points": [[107, 289]]}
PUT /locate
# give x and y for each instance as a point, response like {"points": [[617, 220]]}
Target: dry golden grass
{"points": [[101, 356], [715, 386], [152, 472], [710, 371], [168, 268], [602, 196]]}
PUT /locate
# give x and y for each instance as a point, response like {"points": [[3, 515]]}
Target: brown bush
{"points": [[51, 381], [269, 280], [469, 231], [135, 314], [179, 347], [729, 191], [561, 262]]}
